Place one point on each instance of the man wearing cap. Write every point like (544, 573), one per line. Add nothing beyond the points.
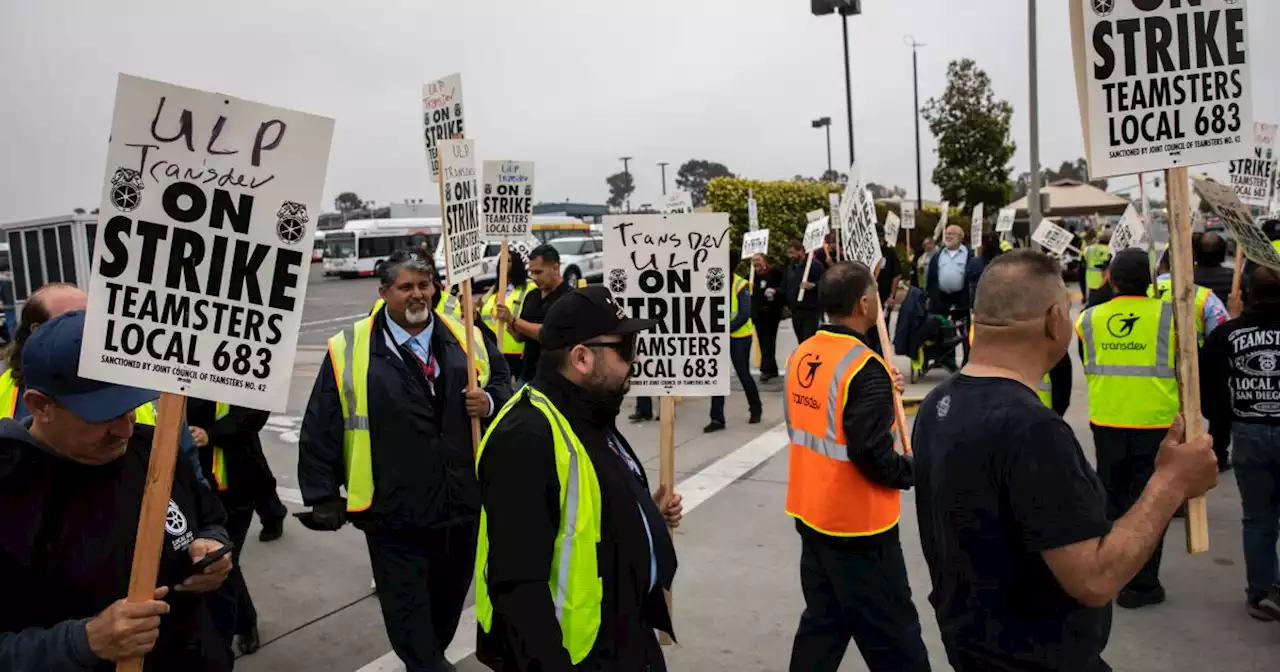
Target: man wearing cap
(72, 477)
(389, 419)
(1127, 348)
(573, 552)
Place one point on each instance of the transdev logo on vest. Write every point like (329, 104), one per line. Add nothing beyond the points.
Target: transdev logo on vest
(1120, 326)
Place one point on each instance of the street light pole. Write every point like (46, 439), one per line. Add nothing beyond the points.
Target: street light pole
(915, 78)
(848, 84)
(663, 166)
(825, 122)
(626, 170)
(1033, 200)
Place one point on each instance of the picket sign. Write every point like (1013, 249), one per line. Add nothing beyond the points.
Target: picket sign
(507, 209)
(975, 227)
(814, 234)
(1053, 237)
(1234, 214)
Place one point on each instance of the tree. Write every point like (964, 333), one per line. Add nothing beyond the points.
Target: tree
(347, 201)
(974, 142)
(78, 211)
(694, 176)
(620, 188)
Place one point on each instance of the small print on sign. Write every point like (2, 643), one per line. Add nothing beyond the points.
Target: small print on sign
(1130, 232)
(679, 202)
(1004, 221)
(1165, 83)
(814, 234)
(441, 116)
(755, 242)
(891, 225)
(1252, 177)
(675, 269)
(463, 246)
(1052, 236)
(203, 244)
(909, 215)
(1235, 216)
(508, 199)
(975, 227)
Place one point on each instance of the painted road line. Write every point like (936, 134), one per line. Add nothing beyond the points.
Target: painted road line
(344, 318)
(695, 489)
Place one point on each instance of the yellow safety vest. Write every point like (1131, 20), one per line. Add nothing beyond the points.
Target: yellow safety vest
(1045, 391)
(575, 578)
(1006, 246)
(1129, 362)
(1095, 256)
(146, 414)
(8, 393)
(349, 356)
(219, 460)
(1165, 287)
(745, 330)
(515, 300)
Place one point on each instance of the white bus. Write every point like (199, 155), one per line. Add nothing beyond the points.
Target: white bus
(359, 249)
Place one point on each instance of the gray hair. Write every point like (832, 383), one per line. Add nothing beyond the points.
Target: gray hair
(404, 260)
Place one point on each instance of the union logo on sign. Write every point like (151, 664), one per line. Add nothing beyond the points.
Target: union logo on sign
(1103, 7)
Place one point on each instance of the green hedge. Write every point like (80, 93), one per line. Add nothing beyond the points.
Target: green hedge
(782, 207)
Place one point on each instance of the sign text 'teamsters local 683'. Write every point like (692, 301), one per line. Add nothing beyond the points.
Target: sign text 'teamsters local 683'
(675, 269)
(204, 244)
(1162, 83)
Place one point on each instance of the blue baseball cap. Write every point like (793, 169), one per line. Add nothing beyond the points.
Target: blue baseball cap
(51, 364)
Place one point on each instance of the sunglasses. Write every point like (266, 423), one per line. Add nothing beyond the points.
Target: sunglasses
(626, 348)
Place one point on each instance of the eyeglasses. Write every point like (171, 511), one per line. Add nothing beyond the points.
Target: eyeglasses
(626, 348)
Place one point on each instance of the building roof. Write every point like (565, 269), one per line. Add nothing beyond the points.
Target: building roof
(1070, 198)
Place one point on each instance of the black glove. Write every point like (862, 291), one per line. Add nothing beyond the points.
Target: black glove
(325, 517)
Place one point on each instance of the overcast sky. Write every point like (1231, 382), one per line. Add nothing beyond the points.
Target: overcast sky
(571, 84)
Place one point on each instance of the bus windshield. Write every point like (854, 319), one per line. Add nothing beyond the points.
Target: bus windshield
(340, 247)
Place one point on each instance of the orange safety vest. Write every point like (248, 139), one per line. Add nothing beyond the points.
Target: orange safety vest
(825, 491)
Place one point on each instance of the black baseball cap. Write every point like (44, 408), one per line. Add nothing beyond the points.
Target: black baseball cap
(51, 364)
(1131, 266)
(584, 314)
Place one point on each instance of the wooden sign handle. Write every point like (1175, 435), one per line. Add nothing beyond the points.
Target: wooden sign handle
(1184, 320)
(155, 505)
(1238, 271)
(469, 319)
(805, 277)
(501, 299)
(886, 348)
(667, 471)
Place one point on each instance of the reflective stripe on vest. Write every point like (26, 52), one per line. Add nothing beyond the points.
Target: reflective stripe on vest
(349, 356)
(1165, 287)
(219, 460)
(574, 583)
(745, 330)
(824, 490)
(515, 301)
(1095, 255)
(8, 393)
(1045, 391)
(1129, 362)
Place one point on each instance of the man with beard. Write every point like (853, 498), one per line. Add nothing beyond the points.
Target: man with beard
(390, 419)
(572, 557)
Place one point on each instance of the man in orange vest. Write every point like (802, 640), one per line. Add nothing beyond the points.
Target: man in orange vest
(844, 488)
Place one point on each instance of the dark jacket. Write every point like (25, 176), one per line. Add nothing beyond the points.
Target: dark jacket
(423, 465)
(791, 281)
(237, 434)
(911, 316)
(1216, 278)
(66, 550)
(762, 305)
(522, 508)
(1060, 384)
(972, 272)
(1237, 368)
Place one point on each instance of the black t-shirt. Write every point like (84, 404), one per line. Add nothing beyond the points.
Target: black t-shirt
(535, 310)
(1000, 479)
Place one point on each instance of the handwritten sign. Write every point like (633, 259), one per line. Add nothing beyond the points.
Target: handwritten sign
(859, 221)
(679, 202)
(203, 244)
(1226, 205)
(753, 214)
(755, 242)
(464, 248)
(1130, 232)
(909, 215)
(1052, 236)
(891, 225)
(508, 199)
(975, 227)
(1161, 84)
(1004, 221)
(441, 116)
(1254, 176)
(674, 268)
(814, 234)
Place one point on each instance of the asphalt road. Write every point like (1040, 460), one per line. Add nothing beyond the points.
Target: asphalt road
(737, 596)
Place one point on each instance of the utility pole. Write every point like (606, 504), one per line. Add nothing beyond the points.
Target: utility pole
(825, 122)
(626, 169)
(848, 78)
(663, 165)
(1033, 199)
(915, 78)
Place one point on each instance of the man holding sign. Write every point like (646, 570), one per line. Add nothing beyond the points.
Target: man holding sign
(844, 488)
(800, 282)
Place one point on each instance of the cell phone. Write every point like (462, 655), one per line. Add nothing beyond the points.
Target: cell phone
(209, 559)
